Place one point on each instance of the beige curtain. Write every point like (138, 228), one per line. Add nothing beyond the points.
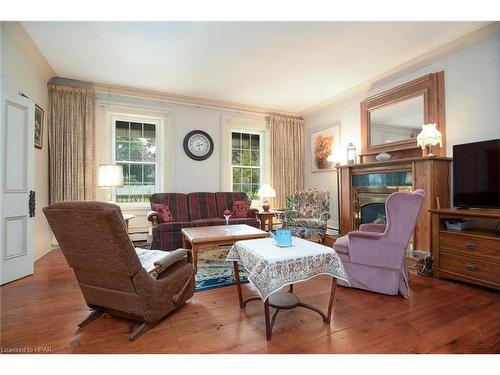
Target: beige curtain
(287, 156)
(71, 143)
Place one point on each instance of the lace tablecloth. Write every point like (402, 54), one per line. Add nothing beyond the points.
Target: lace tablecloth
(271, 267)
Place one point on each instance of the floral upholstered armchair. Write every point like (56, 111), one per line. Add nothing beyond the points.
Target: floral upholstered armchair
(307, 212)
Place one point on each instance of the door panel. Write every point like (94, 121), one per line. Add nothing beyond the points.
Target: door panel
(17, 228)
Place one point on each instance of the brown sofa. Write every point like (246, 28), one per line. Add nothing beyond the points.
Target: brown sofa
(194, 210)
(93, 238)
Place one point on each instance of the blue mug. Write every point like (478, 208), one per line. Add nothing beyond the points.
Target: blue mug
(283, 237)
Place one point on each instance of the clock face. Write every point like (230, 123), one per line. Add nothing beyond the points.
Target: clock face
(198, 145)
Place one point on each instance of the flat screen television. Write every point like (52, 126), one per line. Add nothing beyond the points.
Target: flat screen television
(476, 174)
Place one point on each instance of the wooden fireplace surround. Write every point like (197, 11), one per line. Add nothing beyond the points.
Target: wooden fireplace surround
(432, 174)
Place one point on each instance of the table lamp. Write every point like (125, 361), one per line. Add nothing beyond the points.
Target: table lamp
(266, 191)
(110, 176)
(429, 136)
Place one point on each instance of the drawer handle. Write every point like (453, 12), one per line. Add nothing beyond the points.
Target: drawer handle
(470, 267)
(470, 246)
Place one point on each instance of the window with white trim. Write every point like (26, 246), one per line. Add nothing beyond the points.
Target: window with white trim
(135, 148)
(246, 162)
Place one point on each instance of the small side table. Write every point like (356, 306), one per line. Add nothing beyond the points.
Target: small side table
(266, 217)
(329, 240)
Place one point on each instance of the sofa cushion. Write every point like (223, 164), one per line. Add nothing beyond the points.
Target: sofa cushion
(177, 203)
(225, 200)
(163, 212)
(174, 226)
(252, 221)
(342, 245)
(208, 222)
(240, 209)
(202, 206)
(232, 220)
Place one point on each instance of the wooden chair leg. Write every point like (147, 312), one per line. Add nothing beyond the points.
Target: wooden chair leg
(139, 330)
(93, 315)
(178, 296)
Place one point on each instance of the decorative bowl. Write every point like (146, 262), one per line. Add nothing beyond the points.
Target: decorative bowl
(383, 156)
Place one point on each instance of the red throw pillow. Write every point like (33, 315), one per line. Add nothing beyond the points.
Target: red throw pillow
(163, 212)
(240, 208)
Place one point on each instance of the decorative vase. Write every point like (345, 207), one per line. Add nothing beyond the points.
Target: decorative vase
(266, 206)
(322, 163)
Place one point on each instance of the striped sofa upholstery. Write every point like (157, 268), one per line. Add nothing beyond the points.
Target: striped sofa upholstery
(194, 210)
(202, 206)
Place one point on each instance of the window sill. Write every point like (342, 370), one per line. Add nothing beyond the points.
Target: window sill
(134, 206)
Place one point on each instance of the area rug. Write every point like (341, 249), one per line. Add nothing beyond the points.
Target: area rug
(214, 271)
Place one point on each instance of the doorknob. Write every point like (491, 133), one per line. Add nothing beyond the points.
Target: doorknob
(32, 203)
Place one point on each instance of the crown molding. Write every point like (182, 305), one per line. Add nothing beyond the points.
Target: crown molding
(483, 34)
(168, 97)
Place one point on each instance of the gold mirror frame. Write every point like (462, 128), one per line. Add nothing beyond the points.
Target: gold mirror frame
(431, 87)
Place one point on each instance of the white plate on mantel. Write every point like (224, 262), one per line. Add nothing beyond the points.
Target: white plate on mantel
(383, 156)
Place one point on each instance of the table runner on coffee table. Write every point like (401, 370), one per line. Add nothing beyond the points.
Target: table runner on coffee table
(271, 267)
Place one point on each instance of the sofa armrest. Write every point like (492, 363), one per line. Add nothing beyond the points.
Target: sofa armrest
(252, 213)
(374, 249)
(325, 215)
(374, 228)
(153, 217)
(170, 259)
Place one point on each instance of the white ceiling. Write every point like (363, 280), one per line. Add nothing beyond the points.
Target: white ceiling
(287, 66)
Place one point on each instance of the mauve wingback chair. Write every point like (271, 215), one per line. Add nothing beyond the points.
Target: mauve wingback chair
(94, 240)
(374, 256)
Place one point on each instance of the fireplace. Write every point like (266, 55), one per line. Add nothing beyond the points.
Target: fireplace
(373, 213)
(369, 203)
(367, 183)
(370, 191)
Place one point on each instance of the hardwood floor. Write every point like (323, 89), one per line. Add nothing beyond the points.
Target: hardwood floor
(41, 311)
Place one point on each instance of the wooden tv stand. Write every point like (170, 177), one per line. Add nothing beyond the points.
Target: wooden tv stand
(472, 254)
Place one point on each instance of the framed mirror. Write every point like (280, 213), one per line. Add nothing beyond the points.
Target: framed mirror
(391, 120)
(397, 122)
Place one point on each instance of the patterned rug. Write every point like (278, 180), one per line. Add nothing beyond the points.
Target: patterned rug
(214, 271)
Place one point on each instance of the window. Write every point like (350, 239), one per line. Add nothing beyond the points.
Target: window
(246, 162)
(135, 149)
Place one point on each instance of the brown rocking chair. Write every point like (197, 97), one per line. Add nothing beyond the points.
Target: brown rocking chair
(94, 240)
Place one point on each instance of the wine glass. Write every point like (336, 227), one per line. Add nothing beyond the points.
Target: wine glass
(227, 215)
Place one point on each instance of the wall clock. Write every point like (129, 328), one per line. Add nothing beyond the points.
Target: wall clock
(198, 145)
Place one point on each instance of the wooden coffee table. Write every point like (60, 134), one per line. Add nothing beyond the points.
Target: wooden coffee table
(200, 237)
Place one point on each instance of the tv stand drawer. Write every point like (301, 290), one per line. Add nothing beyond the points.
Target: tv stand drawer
(470, 245)
(474, 268)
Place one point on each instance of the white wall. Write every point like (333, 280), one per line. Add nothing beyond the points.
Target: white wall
(25, 70)
(472, 96)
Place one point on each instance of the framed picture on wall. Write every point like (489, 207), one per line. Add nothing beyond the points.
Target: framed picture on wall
(325, 149)
(38, 126)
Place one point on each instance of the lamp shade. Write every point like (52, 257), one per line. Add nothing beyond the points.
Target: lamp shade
(266, 191)
(429, 136)
(110, 175)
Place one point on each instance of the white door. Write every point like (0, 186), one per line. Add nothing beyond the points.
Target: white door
(17, 185)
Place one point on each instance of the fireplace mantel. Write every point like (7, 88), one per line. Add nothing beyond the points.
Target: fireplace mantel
(432, 174)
